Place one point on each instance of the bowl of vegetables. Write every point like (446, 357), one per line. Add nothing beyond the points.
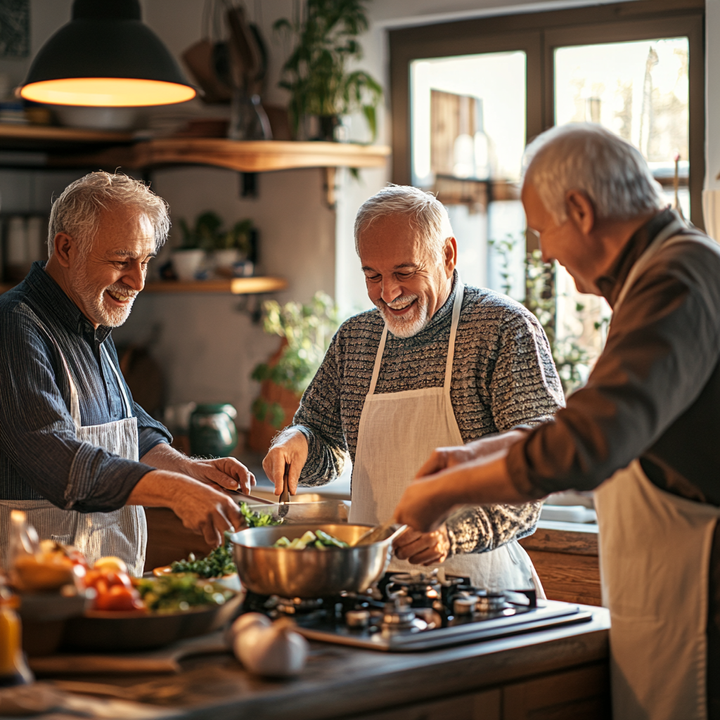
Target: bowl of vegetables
(172, 607)
(308, 560)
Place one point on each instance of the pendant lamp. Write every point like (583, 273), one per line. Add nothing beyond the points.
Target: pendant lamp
(105, 57)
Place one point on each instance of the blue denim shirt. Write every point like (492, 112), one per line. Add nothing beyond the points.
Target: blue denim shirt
(40, 455)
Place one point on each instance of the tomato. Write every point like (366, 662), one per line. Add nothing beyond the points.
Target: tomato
(119, 597)
(102, 579)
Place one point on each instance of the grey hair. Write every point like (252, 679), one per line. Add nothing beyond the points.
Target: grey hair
(587, 157)
(77, 210)
(423, 210)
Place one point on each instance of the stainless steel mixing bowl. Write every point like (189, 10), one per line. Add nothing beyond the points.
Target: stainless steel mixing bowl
(309, 573)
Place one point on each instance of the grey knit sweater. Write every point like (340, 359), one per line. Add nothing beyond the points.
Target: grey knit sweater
(503, 376)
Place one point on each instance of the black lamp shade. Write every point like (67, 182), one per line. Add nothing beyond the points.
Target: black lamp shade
(105, 57)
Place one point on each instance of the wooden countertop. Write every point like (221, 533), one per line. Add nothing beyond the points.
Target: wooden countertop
(342, 682)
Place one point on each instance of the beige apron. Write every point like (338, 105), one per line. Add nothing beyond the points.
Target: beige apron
(654, 558)
(398, 432)
(122, 532)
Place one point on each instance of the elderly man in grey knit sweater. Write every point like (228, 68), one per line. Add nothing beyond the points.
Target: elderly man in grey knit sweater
(435, 364)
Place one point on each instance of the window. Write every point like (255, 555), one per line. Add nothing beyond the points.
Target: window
(468, 95)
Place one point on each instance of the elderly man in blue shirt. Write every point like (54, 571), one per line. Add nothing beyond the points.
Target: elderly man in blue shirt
(76, 453)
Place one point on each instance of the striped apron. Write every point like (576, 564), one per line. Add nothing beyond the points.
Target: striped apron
(122, 532)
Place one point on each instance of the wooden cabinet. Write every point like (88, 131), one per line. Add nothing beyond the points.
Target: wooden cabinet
(566, 558)
(570, 695)
(474, 706)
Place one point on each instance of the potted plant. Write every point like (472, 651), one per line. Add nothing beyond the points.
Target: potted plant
(316, 72)
(233, 245)
(306, 331)
(188, 258)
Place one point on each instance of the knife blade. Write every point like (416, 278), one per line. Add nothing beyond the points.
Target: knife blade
(285, 494)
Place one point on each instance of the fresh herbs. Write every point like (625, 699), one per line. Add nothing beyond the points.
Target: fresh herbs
(219, 562)
(216, 564)
(257, 519)
(173, 593)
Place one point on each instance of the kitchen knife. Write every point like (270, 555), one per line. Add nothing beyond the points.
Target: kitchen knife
(285, 494)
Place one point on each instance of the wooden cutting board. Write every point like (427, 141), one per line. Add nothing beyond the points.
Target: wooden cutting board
(162, 660)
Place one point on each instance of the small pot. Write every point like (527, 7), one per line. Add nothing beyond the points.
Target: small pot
(226, 258)
(212, 430)
(186, 263)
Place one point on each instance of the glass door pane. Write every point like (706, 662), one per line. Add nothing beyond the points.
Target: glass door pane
(468, 129)
(640, 91)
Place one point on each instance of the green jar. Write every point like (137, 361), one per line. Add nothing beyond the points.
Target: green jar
(212, 430)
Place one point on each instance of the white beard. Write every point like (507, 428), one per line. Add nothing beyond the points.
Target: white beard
(95, 301)
(404, 327)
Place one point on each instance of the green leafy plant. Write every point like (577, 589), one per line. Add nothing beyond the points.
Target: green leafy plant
(203, 234)
(316, 74)
(306, 330)
(570, 358)
(209, 234)
(237, 237)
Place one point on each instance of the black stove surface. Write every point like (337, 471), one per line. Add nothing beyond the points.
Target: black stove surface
(409, 612)
(550, 614)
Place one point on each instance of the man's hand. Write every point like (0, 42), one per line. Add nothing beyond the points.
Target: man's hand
(200, 507)
(226, 472)
(427, 502)
(430, 548)
(290, 448)
(423, 507)
(447, 457)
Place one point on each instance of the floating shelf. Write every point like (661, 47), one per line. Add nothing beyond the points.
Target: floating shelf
(243, 156)
(55, 147)
(234, 286)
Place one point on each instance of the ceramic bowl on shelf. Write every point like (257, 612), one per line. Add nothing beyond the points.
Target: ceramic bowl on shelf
(187, 263)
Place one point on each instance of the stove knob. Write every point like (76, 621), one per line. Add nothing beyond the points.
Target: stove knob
(357, 618)
(464, 606)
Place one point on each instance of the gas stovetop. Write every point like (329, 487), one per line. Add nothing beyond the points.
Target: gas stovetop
(418, 611)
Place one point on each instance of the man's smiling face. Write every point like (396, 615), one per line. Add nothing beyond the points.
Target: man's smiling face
(404, 278)
(106, 279)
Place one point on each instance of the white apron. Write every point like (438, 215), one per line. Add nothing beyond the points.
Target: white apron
(654, 561)
(397, 433)
(122, 532)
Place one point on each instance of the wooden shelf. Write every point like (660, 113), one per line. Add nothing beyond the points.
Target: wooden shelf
(46, 140)
(59, 148)
(243, 156)
(234, 286)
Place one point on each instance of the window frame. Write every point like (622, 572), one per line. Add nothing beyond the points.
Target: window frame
(538, 34)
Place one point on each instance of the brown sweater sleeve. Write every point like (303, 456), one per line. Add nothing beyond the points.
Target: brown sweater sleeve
(662, 349)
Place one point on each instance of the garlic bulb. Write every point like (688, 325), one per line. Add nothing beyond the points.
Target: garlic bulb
(243, 623)
(274, 651)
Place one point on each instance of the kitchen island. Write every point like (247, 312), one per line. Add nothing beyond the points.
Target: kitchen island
(559, 673)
